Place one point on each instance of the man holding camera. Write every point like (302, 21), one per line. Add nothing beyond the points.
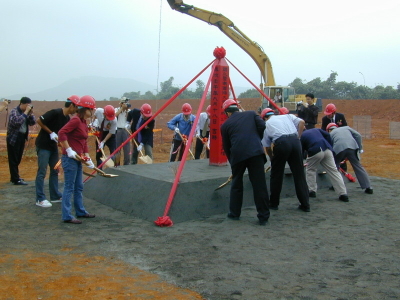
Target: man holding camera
(5, 105)
(21, 117)
(122, 134)
(308, 111)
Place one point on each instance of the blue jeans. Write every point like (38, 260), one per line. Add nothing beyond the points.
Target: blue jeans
(46, 157)
(73, 186)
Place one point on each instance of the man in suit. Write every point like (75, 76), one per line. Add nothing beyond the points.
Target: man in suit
(331, 116)
(347, 143)
(318, 145)
(308, 112)
(241, 139)
(281, 140)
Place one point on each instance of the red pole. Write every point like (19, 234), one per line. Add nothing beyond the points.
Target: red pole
(219, 93)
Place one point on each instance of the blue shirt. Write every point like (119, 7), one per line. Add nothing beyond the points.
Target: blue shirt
(315, 140)
(184, 125)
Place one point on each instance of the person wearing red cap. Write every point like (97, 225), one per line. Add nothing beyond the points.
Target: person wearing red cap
(108, 128)
(73, 138)
(145, 136)
(332, 116)
(202, 133)
(47, 151)
(182, 125)
(347, 143)
(241, 140)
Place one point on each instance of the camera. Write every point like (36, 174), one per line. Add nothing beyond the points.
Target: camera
(124, 100)
(8, 101)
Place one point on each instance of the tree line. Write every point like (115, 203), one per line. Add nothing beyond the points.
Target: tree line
(326, 89)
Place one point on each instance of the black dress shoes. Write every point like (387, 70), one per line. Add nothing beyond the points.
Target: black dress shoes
(20, 182)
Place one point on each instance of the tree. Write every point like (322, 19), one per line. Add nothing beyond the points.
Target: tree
(251, 93)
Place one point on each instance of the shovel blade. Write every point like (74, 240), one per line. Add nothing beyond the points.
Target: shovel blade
(146, 159)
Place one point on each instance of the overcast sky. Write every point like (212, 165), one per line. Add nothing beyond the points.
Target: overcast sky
(46, 42)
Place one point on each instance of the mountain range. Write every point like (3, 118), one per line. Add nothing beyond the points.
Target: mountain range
(101, 88)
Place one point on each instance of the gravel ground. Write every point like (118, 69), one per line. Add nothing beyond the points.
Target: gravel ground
(336, 251)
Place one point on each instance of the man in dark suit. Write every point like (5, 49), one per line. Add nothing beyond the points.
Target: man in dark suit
(132, 121)
(308, 112)
(331, 116)
(241, 138)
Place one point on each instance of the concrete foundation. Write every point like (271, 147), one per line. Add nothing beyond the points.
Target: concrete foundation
(143, 190)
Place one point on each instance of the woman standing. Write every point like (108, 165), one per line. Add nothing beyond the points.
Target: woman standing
(73, 138)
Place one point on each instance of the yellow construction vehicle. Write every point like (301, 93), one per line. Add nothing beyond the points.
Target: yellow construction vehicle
(285, 95)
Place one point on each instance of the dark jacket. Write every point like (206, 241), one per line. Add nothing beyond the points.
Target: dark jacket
(340, 121)
(313, 140)
(241, 136)
(308, 114)
(133, 115)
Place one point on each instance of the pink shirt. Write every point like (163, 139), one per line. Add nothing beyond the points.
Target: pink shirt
(76, 133)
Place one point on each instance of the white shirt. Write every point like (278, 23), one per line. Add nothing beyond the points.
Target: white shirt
(121, 119)
(99, 114)
(276, 126)
(200, 125)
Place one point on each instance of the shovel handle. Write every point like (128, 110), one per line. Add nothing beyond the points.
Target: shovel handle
(191, 153)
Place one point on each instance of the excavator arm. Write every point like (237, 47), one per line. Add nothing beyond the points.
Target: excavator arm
(228, 28)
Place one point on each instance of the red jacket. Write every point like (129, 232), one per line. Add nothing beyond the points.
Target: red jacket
(76, 133)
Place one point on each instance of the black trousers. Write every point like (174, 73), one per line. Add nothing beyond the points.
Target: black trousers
(309, 126)
(255, 167)
(288, 149)
(111, 143)
(175, 145)
(200, 146)
(15, 153)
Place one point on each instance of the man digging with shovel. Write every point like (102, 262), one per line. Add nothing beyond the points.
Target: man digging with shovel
(108, 128)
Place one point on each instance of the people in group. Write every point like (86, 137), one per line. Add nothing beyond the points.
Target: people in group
(241, 139)
(347, 144)
(308, 111)
(332, 116)
(4, 105)
(318, 145)
(145, 136)
(182, 125)
(122, 134)
(281, 140)
(21, 117)
(203, 133)
(108, 128)
(73, 138)
(47, 150)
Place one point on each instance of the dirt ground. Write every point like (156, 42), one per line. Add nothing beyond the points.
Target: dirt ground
(337, 251)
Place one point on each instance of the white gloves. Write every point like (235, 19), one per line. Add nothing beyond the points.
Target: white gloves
(139, 148)
(128, 126)
(71, 153)
(89, 163)
(177, 130)
(101, 146)
(54, 136)
(197, 134)
(361, 151)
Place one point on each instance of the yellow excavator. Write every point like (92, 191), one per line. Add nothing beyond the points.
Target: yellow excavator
(284, 95)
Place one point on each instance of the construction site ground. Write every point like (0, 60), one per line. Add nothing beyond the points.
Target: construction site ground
(337, 251)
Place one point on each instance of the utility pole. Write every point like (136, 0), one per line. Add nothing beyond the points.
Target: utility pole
(363, 77)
